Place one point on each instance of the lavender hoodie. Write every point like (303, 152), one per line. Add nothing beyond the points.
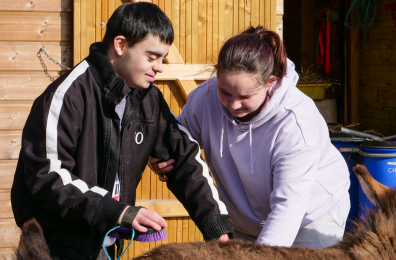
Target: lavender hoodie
(276, 173)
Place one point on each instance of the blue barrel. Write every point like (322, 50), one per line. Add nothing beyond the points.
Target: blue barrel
(379, 157)
(346, 141)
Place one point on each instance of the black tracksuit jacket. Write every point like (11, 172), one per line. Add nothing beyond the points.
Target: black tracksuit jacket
(73, 147)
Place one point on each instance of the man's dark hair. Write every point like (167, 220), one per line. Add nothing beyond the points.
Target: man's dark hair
(135, 21)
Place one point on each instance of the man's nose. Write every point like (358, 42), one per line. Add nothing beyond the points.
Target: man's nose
(158, 67)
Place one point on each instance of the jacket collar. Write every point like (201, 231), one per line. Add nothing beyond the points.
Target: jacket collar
(113, 86)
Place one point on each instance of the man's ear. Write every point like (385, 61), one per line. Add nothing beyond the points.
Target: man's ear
(120, 44)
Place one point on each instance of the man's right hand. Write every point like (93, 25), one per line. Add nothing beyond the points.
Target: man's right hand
(146, 217)
(160, 167)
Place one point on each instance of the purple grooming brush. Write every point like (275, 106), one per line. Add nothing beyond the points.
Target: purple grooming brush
(151, 235)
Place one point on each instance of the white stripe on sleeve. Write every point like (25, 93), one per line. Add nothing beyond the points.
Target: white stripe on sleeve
(205, 173)
(52, 132)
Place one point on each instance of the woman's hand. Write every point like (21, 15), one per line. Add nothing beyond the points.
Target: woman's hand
(160, 167)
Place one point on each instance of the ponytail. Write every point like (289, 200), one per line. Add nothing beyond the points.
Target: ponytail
(254, 51)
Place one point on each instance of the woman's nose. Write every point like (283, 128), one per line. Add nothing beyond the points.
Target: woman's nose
(234, 104)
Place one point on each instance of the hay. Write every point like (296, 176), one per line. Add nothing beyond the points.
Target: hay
(312, 76)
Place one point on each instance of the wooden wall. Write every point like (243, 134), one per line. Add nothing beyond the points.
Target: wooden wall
(25, 26)
(377, 75)
(66, 28)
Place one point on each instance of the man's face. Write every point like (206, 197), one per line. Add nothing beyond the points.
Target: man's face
(139, 64)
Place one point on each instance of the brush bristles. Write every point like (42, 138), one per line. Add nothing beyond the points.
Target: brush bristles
(152, 237)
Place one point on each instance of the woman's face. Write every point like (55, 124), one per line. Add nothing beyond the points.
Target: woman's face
(241, 94)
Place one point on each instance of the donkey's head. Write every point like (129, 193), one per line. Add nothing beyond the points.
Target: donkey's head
(380, 195)
(374, 235)
(32, 244)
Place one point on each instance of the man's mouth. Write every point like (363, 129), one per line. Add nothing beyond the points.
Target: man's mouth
(151, 78)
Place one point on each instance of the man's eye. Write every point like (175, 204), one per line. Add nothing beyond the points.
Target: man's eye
(152, 58)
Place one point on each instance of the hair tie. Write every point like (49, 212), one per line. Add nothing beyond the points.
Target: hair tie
(256, 33)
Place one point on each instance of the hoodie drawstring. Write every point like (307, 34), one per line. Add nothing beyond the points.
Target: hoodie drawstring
(222, 137)
(251, 149)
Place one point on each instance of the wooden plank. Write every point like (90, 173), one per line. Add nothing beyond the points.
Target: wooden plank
(9, 234)
(209, 32)
(168, 8)
(36, 26)
(105, 17)
(186, 86)
(267, 14)
(23, 85)
(7, 169)
(226, 28)
(185, 72)
(262, 12)
(195, 32)
(6, 210)
(98, 20)
(83, 28)
(273, 15)
(188, 53)
(217, 16)
(90, 17)
(241, 15)
(146, 184)
(191, 230)
(7, 253)
(23, 55)
(10, 144)
(255, 13)
(37, 5)
(182, 29)
(235, 28)
(179, 231)
(77, 32)
(13, 115)
(175, 18)
(185, 236)
(247, 14)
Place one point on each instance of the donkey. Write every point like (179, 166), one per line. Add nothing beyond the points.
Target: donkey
(373, 237)
(32, 244)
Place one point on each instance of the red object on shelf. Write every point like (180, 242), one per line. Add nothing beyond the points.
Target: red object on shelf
(328, 64)
(392, 9)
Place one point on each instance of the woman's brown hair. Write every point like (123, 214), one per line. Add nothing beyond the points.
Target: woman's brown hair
(255, 51)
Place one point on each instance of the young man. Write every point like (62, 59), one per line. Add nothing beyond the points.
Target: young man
(88, 138)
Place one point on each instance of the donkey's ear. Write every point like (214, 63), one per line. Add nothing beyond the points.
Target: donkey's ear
(372, 188)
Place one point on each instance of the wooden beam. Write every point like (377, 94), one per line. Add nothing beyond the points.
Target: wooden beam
(185, 72)
(186, 86)
(174, 56)
(165, 208)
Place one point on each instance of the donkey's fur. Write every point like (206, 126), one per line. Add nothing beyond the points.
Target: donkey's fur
(32, 245)
(374, 237)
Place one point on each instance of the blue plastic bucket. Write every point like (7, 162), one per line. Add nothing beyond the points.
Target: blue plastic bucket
(349, 142)
(379, 157)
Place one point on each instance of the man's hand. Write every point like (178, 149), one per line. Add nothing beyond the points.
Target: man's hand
(160, 167)
(224, 238)
(146, 217)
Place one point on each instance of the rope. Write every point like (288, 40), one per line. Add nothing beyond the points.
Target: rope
(362, 8)
(104, 248)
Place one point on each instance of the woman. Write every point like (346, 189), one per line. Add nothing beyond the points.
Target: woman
(268, 147)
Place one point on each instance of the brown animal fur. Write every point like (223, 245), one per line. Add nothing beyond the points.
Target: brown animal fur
(374, 237)
(32, 245)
